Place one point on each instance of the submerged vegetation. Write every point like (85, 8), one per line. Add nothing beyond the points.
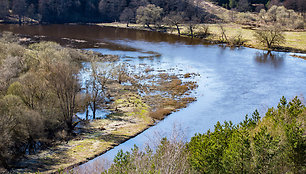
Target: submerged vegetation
(274, 143)
(43, 88)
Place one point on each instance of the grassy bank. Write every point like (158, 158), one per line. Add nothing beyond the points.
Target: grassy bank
(295, 41)
(96, 138)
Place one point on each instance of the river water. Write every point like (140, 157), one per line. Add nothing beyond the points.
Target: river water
(233, 82)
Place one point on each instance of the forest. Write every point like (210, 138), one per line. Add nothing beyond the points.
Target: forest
(82, 11)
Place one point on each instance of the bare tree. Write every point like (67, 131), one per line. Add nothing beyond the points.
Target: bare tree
(270, 37)
(62, 79)
(223, 36)
(192, 24)
(96, 86)
(175, 19)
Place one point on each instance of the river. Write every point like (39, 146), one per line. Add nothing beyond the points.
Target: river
(233, 82)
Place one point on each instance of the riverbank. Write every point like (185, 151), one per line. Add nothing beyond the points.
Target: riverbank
(96, 137)
(135, 106)
(295, 41)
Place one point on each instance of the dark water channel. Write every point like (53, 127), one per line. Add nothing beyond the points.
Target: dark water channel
(233, 82)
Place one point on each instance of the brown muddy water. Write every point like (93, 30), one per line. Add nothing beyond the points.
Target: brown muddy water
(233, 82)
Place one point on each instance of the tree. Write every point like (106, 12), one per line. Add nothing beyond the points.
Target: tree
(62, 80)
(4, 7)
(149, 15)
(175, 19)
(270, 37)
(127, 15)
(206, 150)
(192, 24)
(237, 157)
(266, 149)
(96, 85)
(19, 7)
(20, 128)
(31, 89)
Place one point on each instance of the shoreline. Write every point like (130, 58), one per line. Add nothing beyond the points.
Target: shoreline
(131, 115)
(209, 39)
(106, 150)
(148, 125)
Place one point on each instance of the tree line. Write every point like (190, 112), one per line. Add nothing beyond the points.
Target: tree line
(257, 5)
(38, 96)
(63, 11)
(273, 144)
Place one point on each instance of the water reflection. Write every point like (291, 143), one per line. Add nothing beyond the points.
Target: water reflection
(95, 33)
(269, 58)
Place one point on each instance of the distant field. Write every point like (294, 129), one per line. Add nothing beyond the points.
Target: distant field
(295, 41)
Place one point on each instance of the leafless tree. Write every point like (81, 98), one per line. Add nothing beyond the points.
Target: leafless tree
(62, 79)
(270, 37)
(192, 24)
(96, 85)
(175, 19)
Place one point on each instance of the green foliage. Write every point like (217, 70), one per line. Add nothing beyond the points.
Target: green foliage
(255, 145)
(273, 144)
(207, 149)
(238, 152)
(266, 148)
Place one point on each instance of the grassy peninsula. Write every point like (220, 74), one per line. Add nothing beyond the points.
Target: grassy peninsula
(42, 92)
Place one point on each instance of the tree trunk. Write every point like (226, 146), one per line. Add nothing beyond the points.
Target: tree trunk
(178, 29)
(148, 25)
(19, 19)
(69, 124)
(87, 113)
(94, 108)
(191, 31)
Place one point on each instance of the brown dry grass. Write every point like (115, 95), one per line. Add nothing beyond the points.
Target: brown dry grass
(160, 114)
